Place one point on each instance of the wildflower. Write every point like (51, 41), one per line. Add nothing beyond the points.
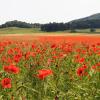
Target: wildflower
(1, 49)
(27, 55)
(53, 46)
(38, 51)
(54, 57)
(81, 60)
(9, 60)
(3, 58)
(6, 83)
(33, 46)
(17, 57)
(11, 69)
(10, 52)
(62, 55)
(80, 71)
(98, 43)
(84, 66)
(77, 56)
(44, 73)
(94, 67)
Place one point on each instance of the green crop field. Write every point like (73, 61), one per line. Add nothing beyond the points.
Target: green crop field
(15, 30)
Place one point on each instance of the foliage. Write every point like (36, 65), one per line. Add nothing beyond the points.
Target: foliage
(84, 24)
(54, 27)
(92, 30)
(20, 24)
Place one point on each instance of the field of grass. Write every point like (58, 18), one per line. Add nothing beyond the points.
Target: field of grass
(87, 30)
(15, 30)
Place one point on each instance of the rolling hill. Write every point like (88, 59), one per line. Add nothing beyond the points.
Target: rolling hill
(92, 21)
(91, 17)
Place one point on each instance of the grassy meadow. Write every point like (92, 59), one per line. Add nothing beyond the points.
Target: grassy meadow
(15, 30)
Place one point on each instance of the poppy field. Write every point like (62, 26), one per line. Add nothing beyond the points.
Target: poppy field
(50, 68)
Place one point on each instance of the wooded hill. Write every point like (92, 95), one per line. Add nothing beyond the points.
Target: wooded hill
(91, 22)
(20, 24)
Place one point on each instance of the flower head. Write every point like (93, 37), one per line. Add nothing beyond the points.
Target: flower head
(6, 83)
(11, 69)
(44, 73)
(80, 71)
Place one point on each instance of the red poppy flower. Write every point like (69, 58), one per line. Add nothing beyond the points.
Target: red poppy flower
(81, 60)
(10, 52)
(44, 73)
(33, 46)
(55, 57)
(1, 49)
(3, 59)
(9, 60)
(6, 83)
(62, 55)
(53, 46)
(80, 71)
(11, 69)
(84, 66)
(38, 51)
(17, 57)
(27, 55)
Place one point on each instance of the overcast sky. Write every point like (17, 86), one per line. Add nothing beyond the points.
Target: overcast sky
(44, 11)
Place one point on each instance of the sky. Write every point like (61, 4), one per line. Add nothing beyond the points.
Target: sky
(45, 11)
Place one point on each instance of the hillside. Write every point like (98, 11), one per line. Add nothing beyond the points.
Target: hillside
(92, 21)
(20, 24)
(89, 22)
(91, 17)
(94, 17)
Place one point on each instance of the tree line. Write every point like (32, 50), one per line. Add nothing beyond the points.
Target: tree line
(54, 27)
(73, 25)
(50, 27)
(20, 24)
